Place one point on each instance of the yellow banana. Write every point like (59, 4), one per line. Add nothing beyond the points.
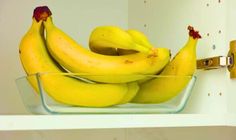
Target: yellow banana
(138, 38)
(133, 89)
(114, 37)
(65, 89)
(78, 59)
(174, 78)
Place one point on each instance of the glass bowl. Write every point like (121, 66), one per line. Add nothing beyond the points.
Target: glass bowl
(37, 100)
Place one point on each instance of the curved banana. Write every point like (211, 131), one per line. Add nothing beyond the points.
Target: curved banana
(114, 37)
(174, 78)
(137, 36)
(133, 89)
(78, 59)
(65, 89)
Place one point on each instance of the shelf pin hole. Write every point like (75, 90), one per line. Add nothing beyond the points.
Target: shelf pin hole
(214, 47)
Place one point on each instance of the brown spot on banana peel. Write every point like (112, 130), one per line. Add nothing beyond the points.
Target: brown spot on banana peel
(153, 54)
(128, 62)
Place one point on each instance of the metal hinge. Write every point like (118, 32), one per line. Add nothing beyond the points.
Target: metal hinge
(216, 62)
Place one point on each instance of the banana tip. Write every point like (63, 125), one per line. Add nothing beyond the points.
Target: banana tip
(41, 13)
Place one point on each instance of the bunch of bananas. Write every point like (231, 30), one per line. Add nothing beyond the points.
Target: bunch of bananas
(117, 64)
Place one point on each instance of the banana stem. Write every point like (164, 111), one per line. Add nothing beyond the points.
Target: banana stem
(41, 13)
(193, 33)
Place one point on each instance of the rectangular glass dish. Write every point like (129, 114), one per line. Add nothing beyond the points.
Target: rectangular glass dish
(38, 101)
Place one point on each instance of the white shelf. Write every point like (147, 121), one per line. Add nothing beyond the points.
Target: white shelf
(53, 122)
